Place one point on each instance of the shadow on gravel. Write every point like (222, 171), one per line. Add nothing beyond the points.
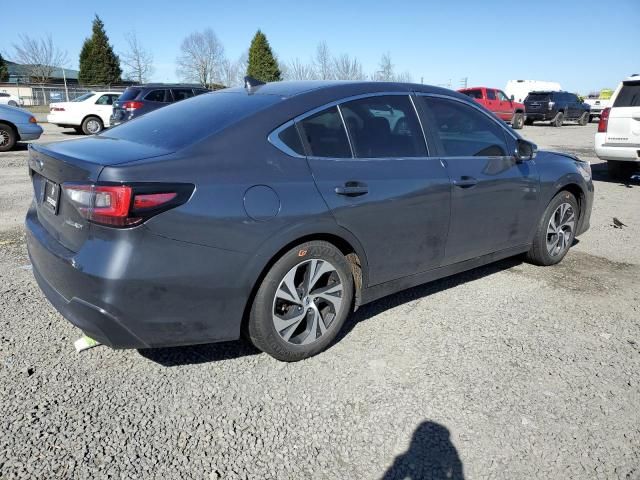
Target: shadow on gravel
(600, 174)
(431, 456)
(193, 355)
(19, 147)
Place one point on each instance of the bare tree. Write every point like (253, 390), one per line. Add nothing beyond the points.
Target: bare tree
(300, 71)
(138, 62)
(201, 58)
(39, 56)
(347, 68)
(385, 72)
(404, 77)
(323, 62)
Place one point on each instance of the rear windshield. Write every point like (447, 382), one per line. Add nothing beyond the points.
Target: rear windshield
(629, 95)
(129, 94)
(537, 97)
(83, 97)
(184, 123)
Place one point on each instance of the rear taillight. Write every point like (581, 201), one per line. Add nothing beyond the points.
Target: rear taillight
(33, 120)
(125, 205)
(603, 124)
(131, 106)
(551, 104)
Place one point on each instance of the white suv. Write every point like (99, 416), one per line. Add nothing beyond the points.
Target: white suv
(618, 137)
(88, 114)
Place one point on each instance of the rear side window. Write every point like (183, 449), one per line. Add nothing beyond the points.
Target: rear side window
(158, 96)
(289, 136)
(193, 119)
(384, 126)
(473, 93)
(4, 95)
(130, 94)
(181, 93)
(491, 94)
(105, 100)
(325, 134)
(629, 95)
(464, 131)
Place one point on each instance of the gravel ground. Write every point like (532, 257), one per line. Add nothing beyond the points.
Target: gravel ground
(507, 371)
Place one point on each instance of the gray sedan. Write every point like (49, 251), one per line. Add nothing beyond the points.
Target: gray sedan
(17, 125)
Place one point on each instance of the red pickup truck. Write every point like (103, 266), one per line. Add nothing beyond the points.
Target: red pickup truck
(497, 101)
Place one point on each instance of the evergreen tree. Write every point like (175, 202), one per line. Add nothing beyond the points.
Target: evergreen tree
(262, 64)
(4, 71)
(99, 65)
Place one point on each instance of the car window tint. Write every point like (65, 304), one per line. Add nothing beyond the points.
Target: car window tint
(4, 94)
(473, 93)
(325, 134)
(104, 100)
(204, 115)
(491, 94)
(198, 91)
(384, 126)
(629, 95)
(463, 130)
(130, 94)
(289, 136)
(537, 97)
(156, 96)
(181, 93)
(502, 97)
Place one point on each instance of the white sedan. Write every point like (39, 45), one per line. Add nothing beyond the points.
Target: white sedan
(11, 100)
(88, 114)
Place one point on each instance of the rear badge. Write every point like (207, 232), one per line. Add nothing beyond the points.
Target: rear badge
(73, 224)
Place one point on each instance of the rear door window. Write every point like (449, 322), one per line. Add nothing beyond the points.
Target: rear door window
(104, 100)
(158, 96)
(491, 94)
(181, 93)
(473, 93)
(629, 95)
(464, 131)
(325, 134)
(384, 126)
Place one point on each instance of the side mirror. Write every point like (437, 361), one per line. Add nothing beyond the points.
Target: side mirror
(525, 151)
(512, 98)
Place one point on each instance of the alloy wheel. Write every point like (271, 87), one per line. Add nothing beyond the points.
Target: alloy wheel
(93, 127)
(307, 302)
(5, 138)
(560, 229)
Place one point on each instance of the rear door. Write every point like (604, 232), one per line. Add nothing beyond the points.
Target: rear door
(494, 200)
(624, 117)
(492, 101)
(380, 183)
(181, 93)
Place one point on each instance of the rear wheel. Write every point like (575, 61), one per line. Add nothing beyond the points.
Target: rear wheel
(621, 170)
(8, 137)
(518, 121)
(12, 103)
(584, 119)
(556, 230)
(591, 117)
(302, 302)
(559, 120)
(92, 125)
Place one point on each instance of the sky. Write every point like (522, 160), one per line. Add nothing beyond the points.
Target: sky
(585, 45)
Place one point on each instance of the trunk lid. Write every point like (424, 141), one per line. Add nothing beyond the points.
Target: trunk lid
(537, 102)
(624, 116)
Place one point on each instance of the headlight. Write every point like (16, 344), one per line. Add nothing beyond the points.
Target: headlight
(585, 170)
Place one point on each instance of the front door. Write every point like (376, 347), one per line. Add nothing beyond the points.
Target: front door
(505, 106)
(380, 183)
(494, 199)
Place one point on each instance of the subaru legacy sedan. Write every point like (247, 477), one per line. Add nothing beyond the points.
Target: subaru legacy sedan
(278, 209)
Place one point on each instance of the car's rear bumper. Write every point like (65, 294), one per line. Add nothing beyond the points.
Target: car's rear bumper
(612, 151)
(540, 116)
(139, 290)
(29, 131)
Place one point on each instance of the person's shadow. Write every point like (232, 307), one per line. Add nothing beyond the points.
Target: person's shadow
(431, 456)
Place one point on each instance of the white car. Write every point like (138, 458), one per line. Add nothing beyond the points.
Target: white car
(88, 114)
(618, 137)
(9, 99)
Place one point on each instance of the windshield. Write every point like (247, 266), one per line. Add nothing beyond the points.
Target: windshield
(82, 98)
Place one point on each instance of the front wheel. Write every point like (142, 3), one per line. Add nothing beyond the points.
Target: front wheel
(518, 121)
(556, 230)
(559, 120)
(92, 126)
(302, 302)
(584, 119)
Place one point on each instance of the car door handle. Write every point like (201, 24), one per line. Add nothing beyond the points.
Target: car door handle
(465, 182)
(352, 189)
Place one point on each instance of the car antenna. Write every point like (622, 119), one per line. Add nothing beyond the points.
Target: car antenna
(250, 82)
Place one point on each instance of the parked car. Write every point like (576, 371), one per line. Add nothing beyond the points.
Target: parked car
(618, 137)
(17, 125)
(279, 209)
(10, 99)
(556, 107)
(141, 99)
(519, 89)
(88, 114)
(596, 105)
(497, 102)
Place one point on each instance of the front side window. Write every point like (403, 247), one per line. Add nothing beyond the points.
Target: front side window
(156, 96)
(502, 97)
(325, 134)
(464, 131)
(384, 126)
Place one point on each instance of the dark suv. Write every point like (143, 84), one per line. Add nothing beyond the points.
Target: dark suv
(555, 107)
(138, 100)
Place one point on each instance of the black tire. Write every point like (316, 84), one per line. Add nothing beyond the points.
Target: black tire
(261, 327)
(518, 121)
(92, 125)
(584, 119)
(558, 120)
(621, 170)
(528, 121)
(8, 137)
(539, 253)
(12, 103)
(591, 117)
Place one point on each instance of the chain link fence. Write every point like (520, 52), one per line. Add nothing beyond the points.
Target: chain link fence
(33, 94)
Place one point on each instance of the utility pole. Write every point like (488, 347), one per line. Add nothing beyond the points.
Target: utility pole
(66, 90)
(464, 81)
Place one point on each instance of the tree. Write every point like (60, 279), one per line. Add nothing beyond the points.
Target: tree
(137, 60)
(296, 70)
(39, 56)
(262, 63)
(385, 72)
(347, 68)
(201, 58)
(4, 71)
(323, 62)
(99, 65)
